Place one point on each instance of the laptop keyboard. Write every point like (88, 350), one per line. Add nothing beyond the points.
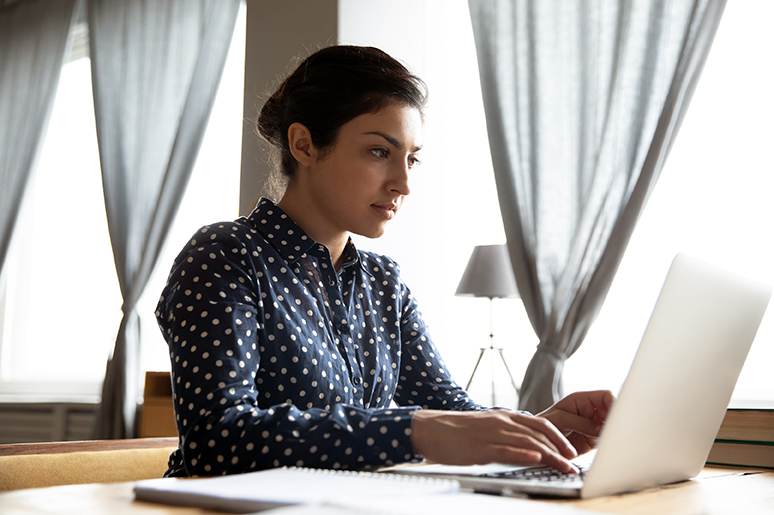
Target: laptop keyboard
(537, 474)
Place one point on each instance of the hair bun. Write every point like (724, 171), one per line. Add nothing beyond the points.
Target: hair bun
(270, 121)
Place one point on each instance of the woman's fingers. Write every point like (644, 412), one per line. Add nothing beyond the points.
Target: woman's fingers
(526, 450)
(467, 438)
(591, 405)
(572, 423)
(546, 432)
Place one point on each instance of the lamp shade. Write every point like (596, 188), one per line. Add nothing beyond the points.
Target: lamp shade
(488, 274)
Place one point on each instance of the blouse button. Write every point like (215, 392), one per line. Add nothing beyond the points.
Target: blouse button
(357, 380)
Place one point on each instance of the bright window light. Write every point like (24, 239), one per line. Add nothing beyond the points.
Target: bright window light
(713, 201)
(61, 307)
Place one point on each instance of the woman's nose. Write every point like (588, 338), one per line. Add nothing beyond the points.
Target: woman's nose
(400, 181)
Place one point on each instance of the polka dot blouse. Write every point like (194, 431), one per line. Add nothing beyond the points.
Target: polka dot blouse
(279, 359)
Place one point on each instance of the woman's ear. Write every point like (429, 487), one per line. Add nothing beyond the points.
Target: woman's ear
(300, 143)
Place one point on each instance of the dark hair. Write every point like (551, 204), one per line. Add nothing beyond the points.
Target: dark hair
(330, 88)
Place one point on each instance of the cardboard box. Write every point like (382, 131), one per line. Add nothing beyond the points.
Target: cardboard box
(157, 415)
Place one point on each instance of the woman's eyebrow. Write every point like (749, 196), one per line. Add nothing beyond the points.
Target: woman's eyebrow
(392, 141)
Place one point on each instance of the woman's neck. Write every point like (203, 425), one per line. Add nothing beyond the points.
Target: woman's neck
(298, 209)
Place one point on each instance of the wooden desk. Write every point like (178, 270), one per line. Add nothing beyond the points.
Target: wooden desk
(717, 491)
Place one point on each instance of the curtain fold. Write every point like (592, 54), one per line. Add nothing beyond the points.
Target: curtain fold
(583, 101)
(156, 67)
(33, 45)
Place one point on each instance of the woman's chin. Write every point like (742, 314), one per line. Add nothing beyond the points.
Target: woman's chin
(372, 232)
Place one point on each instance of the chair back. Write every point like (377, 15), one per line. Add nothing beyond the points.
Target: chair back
(69, 463)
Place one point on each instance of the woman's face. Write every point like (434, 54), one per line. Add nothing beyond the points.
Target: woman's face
(360, 183)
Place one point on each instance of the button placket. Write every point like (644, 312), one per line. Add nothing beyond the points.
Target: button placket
(338, 313)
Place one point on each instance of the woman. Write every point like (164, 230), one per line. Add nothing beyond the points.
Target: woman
(288, 344)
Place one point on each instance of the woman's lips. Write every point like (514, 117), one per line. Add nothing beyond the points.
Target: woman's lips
(386, 211)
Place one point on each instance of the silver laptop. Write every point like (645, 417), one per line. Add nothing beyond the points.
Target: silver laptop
(669, 410)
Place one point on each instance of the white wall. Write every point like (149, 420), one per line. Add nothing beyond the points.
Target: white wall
(277, 32)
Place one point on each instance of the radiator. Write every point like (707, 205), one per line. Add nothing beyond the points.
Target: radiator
(46, 422)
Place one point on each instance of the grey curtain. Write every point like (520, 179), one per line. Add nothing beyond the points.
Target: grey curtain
(33, 45)
(583, 101)
(156, 67)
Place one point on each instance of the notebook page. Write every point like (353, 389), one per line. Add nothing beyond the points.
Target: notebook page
(287, 486)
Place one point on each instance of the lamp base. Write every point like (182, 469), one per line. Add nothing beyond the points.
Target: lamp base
(495, 351)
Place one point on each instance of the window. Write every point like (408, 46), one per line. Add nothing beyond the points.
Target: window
(713, 201)
(61, 258)
(60, 310)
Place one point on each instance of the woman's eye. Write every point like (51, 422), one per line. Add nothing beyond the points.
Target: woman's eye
(414, 161)
(381, 153)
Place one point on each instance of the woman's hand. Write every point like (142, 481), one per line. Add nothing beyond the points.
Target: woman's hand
(558, 434)
(478, 437)
(580, 417)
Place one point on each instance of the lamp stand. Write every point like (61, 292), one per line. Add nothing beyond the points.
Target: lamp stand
(494, 350)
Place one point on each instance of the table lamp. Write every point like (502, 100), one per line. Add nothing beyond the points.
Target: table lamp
(489, 274)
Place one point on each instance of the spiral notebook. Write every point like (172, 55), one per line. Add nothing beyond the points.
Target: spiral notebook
(254, 491)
